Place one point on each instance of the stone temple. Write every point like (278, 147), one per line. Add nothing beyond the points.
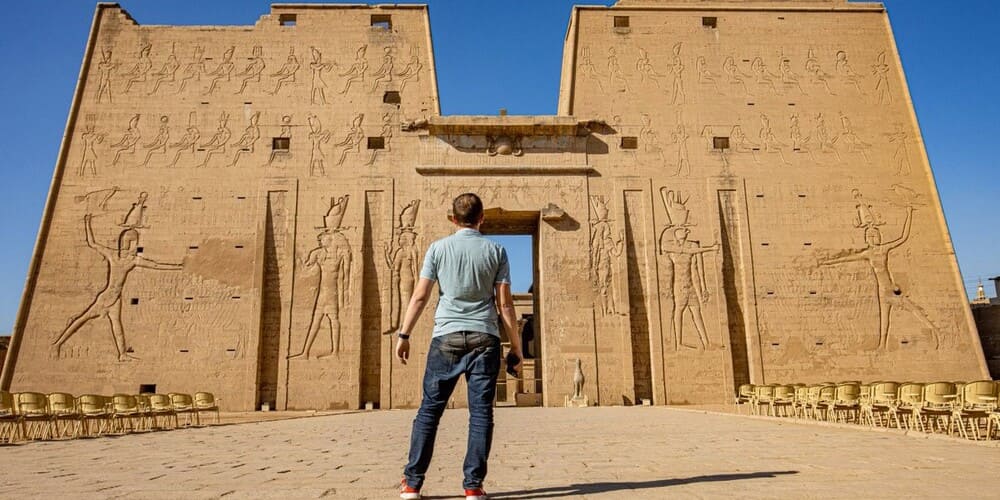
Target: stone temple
(731, 192)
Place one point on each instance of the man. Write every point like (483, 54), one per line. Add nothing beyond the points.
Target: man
(473, 278)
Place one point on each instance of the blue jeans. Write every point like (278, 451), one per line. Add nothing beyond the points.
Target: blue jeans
(477, 356)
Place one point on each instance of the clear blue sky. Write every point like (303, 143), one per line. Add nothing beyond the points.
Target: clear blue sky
(949, 50)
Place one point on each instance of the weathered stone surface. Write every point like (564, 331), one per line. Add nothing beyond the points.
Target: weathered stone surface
(732, 192)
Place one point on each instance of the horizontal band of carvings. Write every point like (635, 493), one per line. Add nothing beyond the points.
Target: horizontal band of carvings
(480, 170)
(523, 126)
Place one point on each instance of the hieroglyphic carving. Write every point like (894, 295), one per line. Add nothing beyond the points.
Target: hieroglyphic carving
(846, 73)
(901, 153)
(216, 145)
(356, 73)
(410, 72)
(194, 69)
(332, 259)
(126, 145)
(351, 143)
(799, 141)
(121, 261)
(888, 294)
(317, 92)
(253, 71)
(588, 69)
(679, 139)
(284, 133)
(105, 69)
(768, 140)
(386, 133)
(650, 140)
(645, 68)
(248, 140)
(603, 252)
(618, 82)
(816, 74)
(734, 74)
(287, 72)
(317, 138)
(189, 141)
(788, 76)
(850, 138)
(688, 288)
(402, 258)
(159, 142)
(762, 75)
(821, 137)
(140, 70)
(167, 73)
(677, 95)
(881, 71)
(705, 75)
(384, 73)
(90, 137)
(222, 72)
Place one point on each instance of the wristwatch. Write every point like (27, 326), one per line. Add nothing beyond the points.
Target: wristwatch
(403, 336)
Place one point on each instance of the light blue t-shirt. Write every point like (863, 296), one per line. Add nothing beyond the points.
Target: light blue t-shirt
(466, 266)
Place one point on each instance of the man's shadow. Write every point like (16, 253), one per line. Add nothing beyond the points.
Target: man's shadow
(592, 488)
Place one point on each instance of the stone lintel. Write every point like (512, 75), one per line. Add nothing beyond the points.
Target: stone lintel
(508, 125)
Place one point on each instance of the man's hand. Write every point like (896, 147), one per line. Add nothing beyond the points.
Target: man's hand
(520, 359)
(403, 350)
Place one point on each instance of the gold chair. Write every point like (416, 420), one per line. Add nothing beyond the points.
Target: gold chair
(823, 403)
(33, 407)
(976, 402)
(184, 404)
(11, 424)
(762, 397)
(846, 404)
(744, 396)
(162, 410)
(782, 399)
(62, 409)
(801, 405)
(125, 411)
(94, 407)
(911, 398)
(940, 401)
(206, 401)
(882, 399)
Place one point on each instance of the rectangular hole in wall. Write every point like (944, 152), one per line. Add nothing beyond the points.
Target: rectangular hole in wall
(230, 350)
(241, 197)
(746, 60)
(138, 249)
(759, 195)
(630, 142)
(720, 142)
(904, 342)
(236, 297)
(134, 301)
(796, 149)
(812, 292)
(204, 102)
(755, 149)
(196, 197)
(751, 104)
(710, 22)
(764, 244)
(808, 244)
(376, 143)
(238, 246)
(775, 344)
(183, 350)
(188, 298)
(392, 97)
(621, 22)
(287, 20)
(192, 248)
(248, 103)
(382, 21)
(791, 104)
(819, 342)
(781, 18)
(147, 388)
(770, 292)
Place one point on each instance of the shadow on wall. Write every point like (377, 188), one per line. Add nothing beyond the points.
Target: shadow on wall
(593, 488)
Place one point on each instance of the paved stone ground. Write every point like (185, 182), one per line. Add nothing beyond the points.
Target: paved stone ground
(639, 452)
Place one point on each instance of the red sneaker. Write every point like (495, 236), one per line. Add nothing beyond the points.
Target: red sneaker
(475, 494)
(408, 493)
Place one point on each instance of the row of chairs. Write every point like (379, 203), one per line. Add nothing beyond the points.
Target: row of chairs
(59, 415)
(971, 408)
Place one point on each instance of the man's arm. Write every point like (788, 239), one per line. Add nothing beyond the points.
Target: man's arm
(505, 303)
(421, 294)
(159, 266)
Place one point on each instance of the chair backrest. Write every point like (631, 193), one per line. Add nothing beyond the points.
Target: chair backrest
(204, 399)
(160, 402)
(801, 393)
(91, 404)
(980, 394)
(7, 406)
(61, 403)
(848, 393)
(814, 391)
(940, 393)
(181, 401)
(32, 403)
(125, 403)
(745, 391)
(885, 392)
(866, 392)
(827, 393)
(143, 401)
(764, 392)
(784, 392)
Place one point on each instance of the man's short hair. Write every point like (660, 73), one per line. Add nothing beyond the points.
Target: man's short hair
(467, 209)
